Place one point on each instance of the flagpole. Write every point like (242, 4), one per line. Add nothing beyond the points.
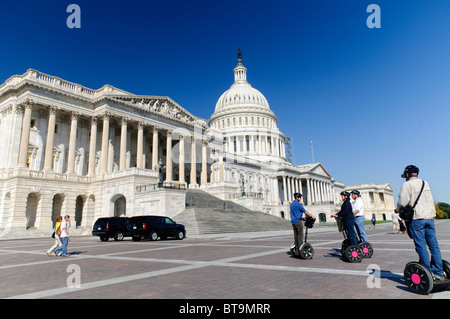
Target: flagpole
(312, 150)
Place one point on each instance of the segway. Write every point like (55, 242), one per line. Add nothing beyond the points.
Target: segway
(421, 281)
(305, 251)
(352, 253)
(366, 247)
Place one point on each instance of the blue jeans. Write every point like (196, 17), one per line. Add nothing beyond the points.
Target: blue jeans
(423, 234)
(350, 225)
(359, 223)
(63, 247)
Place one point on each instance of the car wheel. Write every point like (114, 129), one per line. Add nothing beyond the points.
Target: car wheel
(153, 236)
(180, 235)
(104, 238)
(118, 236)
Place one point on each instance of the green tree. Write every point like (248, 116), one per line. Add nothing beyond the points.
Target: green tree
(442, 210)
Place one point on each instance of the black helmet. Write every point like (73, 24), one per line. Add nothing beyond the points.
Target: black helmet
(356, 192)
(297, 195)
(410, 169)
(345, 193)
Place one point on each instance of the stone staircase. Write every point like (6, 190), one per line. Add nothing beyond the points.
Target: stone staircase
(207, 214)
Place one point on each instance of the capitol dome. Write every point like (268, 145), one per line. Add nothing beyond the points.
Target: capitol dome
(240, 94)
(248, 125)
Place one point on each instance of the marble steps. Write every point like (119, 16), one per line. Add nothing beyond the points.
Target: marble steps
(207, 214)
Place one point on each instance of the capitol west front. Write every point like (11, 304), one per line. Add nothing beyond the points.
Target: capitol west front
(68, 149)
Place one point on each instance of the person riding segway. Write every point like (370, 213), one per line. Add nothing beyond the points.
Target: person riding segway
(416, 207)
(346, 225)
(358, 212)
(298, 213)
(305, 251)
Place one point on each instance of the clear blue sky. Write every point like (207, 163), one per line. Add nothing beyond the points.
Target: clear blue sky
(372, 100)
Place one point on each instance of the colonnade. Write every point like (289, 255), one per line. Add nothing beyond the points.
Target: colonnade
(259, 144)
(317, 191)
(106, 118)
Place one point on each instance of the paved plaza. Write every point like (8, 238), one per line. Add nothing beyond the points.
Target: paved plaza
(221, 266)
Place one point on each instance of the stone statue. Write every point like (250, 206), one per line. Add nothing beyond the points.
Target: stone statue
(160, 169)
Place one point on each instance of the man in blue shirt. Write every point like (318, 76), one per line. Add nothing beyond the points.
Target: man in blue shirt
(297, 217)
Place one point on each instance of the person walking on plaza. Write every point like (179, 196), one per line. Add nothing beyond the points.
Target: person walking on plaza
(297, 217)
(346, 213)
(421, 227)
(395, 223)
(65, 224)
(358, 212)
(57, 234)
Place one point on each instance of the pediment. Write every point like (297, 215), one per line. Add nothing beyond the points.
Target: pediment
(320, 170)
(159, 105)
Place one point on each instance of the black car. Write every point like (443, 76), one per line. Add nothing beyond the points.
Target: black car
(154, 227)
(111, 227)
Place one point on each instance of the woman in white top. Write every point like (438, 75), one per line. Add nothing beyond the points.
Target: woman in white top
(65, 224)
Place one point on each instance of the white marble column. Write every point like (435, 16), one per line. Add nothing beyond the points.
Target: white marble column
(155, 148)
(105, 141)
(308, 190)
(48, 159)
(169, 157)
(193, 183)
(123, 144)
(204, 174)
(181, 160)
(72, 142)
(92, 146)
(140, 146)
(25, 137)
(221, 168)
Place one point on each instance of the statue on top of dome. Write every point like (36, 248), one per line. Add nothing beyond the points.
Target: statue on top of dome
(239, 54)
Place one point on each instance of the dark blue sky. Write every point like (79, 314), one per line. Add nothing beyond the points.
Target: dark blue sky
(372, 100)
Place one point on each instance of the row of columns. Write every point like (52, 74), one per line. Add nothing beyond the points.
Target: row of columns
(48, 157)
(258, 144)
(317, 191)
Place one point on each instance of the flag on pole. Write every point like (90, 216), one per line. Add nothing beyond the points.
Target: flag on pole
(312, 150)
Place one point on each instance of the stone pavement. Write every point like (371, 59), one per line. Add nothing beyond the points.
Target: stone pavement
(218, 266)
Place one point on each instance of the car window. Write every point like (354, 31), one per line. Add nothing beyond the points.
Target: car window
(101, 222)
(168, 221)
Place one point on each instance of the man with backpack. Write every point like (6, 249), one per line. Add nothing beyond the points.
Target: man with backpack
(416, 194)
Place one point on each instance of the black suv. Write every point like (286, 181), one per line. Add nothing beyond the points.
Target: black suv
(154, 227)
(111, 227)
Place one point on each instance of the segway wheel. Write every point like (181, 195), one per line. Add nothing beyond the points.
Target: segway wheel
(344, 245)
(306, 251)
(353, 254)
(367, 249)
(418, 278)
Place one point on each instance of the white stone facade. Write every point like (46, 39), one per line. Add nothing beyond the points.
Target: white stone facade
(378, 200)
(68, 149)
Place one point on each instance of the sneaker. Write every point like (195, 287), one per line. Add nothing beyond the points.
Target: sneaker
(439, 277)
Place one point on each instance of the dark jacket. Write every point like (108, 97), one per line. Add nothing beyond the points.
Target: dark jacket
(346, 212)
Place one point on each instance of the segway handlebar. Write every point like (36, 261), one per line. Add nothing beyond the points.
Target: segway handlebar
(340, 224)
(309, 222)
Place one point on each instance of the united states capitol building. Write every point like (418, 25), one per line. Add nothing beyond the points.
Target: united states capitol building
(69, 149)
